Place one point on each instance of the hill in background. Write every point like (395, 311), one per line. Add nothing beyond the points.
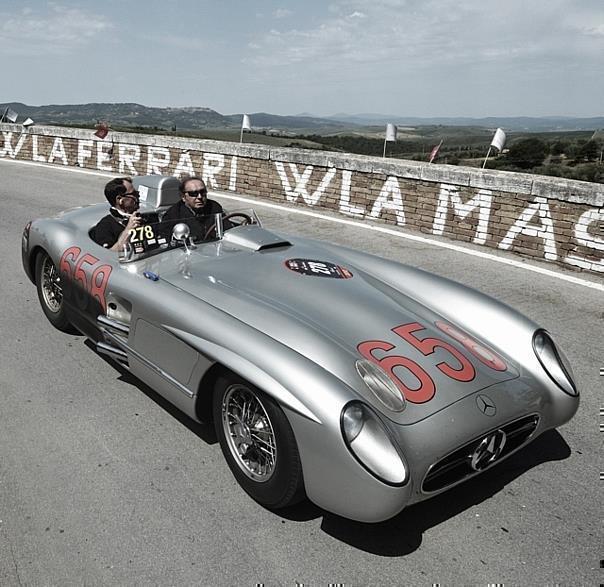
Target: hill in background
(515, 123)
(129, 115)
(198, 118)
(559, 146)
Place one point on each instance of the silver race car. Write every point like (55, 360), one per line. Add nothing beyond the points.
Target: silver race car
(330, 373)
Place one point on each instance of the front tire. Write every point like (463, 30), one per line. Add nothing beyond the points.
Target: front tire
(50, 292)
(257, 442)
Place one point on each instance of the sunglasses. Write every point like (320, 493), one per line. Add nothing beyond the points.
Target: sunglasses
(197, 193)
(133, 194)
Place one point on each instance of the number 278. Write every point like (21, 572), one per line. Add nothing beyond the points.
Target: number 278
(141, 233)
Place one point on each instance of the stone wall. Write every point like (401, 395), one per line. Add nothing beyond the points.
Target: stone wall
(551, 219)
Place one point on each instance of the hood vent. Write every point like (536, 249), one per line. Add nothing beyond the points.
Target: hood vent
(255, 238)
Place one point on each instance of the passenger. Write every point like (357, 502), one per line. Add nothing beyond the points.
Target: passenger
(194, 208)
(113, 230)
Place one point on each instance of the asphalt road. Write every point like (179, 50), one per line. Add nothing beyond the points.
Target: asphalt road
(103, 483)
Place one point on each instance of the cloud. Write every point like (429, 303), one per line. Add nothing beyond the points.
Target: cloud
(282, 13)
(595, 31)
(59, 30)
(178, 42)
(421, 33)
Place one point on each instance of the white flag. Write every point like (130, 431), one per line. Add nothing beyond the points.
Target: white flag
(390, 133)
(11, 115)
(498, 140)
(27, 122)
(245, 125)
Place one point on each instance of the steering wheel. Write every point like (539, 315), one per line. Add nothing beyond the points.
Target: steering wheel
(246, 219)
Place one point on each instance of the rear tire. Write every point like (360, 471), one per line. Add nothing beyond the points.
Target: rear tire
(257, 442)
(50, 293)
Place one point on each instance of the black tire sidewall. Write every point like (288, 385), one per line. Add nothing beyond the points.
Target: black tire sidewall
(57, 319)
(285, 487)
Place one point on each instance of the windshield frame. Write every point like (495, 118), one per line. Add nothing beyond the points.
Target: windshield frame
(188, 242)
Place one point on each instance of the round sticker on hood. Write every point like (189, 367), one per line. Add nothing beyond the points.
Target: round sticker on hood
(318, 268)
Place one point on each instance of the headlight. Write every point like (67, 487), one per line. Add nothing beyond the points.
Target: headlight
(370, 443)
(554, 362)
(381, 385)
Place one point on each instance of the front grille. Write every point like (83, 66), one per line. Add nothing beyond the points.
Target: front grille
(456, 466)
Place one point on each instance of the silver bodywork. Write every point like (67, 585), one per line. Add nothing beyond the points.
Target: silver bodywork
(235, 303)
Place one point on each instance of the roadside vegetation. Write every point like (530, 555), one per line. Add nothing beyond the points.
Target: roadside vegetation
(567, 154)
(572, 155)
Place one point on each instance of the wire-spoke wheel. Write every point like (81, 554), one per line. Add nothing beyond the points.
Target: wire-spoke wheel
(257, 442)
(50, 292)
(248, 432)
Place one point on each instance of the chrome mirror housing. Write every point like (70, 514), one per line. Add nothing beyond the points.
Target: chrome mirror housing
(181, 233)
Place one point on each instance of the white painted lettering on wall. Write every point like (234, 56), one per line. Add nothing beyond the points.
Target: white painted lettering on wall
(35, 155)
(450, 194)
(345, 206)
(58, 152)
(8, 145)
(84, 152)
(292, 195)
(233, 174)
(544, 230)
(104, 153)
(585, 239)
(184, 165)
(220, 172)
(128, 155)
(301, 181)
(158, 159)
(389, 199)
(213, 164)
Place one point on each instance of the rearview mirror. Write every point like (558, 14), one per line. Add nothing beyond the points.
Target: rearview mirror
(181, 233)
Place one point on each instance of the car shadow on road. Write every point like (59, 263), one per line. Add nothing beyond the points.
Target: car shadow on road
(204, 431)
(402, 534)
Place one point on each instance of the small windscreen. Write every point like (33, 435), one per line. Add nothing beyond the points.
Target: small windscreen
(153, 236)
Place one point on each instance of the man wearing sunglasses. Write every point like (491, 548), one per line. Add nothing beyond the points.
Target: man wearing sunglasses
(194, 208)
(113, 230)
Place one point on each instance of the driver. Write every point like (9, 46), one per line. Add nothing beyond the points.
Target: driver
(194, 208)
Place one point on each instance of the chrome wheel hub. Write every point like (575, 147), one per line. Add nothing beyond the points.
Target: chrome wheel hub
(249, 433)
(51, 286)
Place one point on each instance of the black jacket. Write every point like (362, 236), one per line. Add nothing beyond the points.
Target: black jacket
(199, 221)
(109, 228)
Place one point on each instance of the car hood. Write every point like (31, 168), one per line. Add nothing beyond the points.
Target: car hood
(327, 313)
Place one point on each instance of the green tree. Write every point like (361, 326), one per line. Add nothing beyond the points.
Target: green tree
(526, 153)
(559, 147)
(589, 151)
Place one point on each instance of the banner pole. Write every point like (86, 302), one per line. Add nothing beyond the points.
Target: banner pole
(241, 135)
(485, 159)
(4, 114)
(384, 155)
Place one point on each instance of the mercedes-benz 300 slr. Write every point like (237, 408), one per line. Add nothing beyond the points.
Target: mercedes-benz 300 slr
(361, 383)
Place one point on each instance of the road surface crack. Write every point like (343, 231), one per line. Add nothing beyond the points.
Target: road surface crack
(12, 552)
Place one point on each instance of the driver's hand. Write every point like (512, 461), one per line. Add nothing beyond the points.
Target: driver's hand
(134, 221)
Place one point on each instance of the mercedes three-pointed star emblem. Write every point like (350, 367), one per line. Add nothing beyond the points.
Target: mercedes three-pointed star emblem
(486, 405)
(488, 450)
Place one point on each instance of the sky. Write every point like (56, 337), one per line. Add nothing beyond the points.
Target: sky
(423, 58)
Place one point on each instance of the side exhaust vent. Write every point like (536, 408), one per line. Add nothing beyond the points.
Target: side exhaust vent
(115, 339)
